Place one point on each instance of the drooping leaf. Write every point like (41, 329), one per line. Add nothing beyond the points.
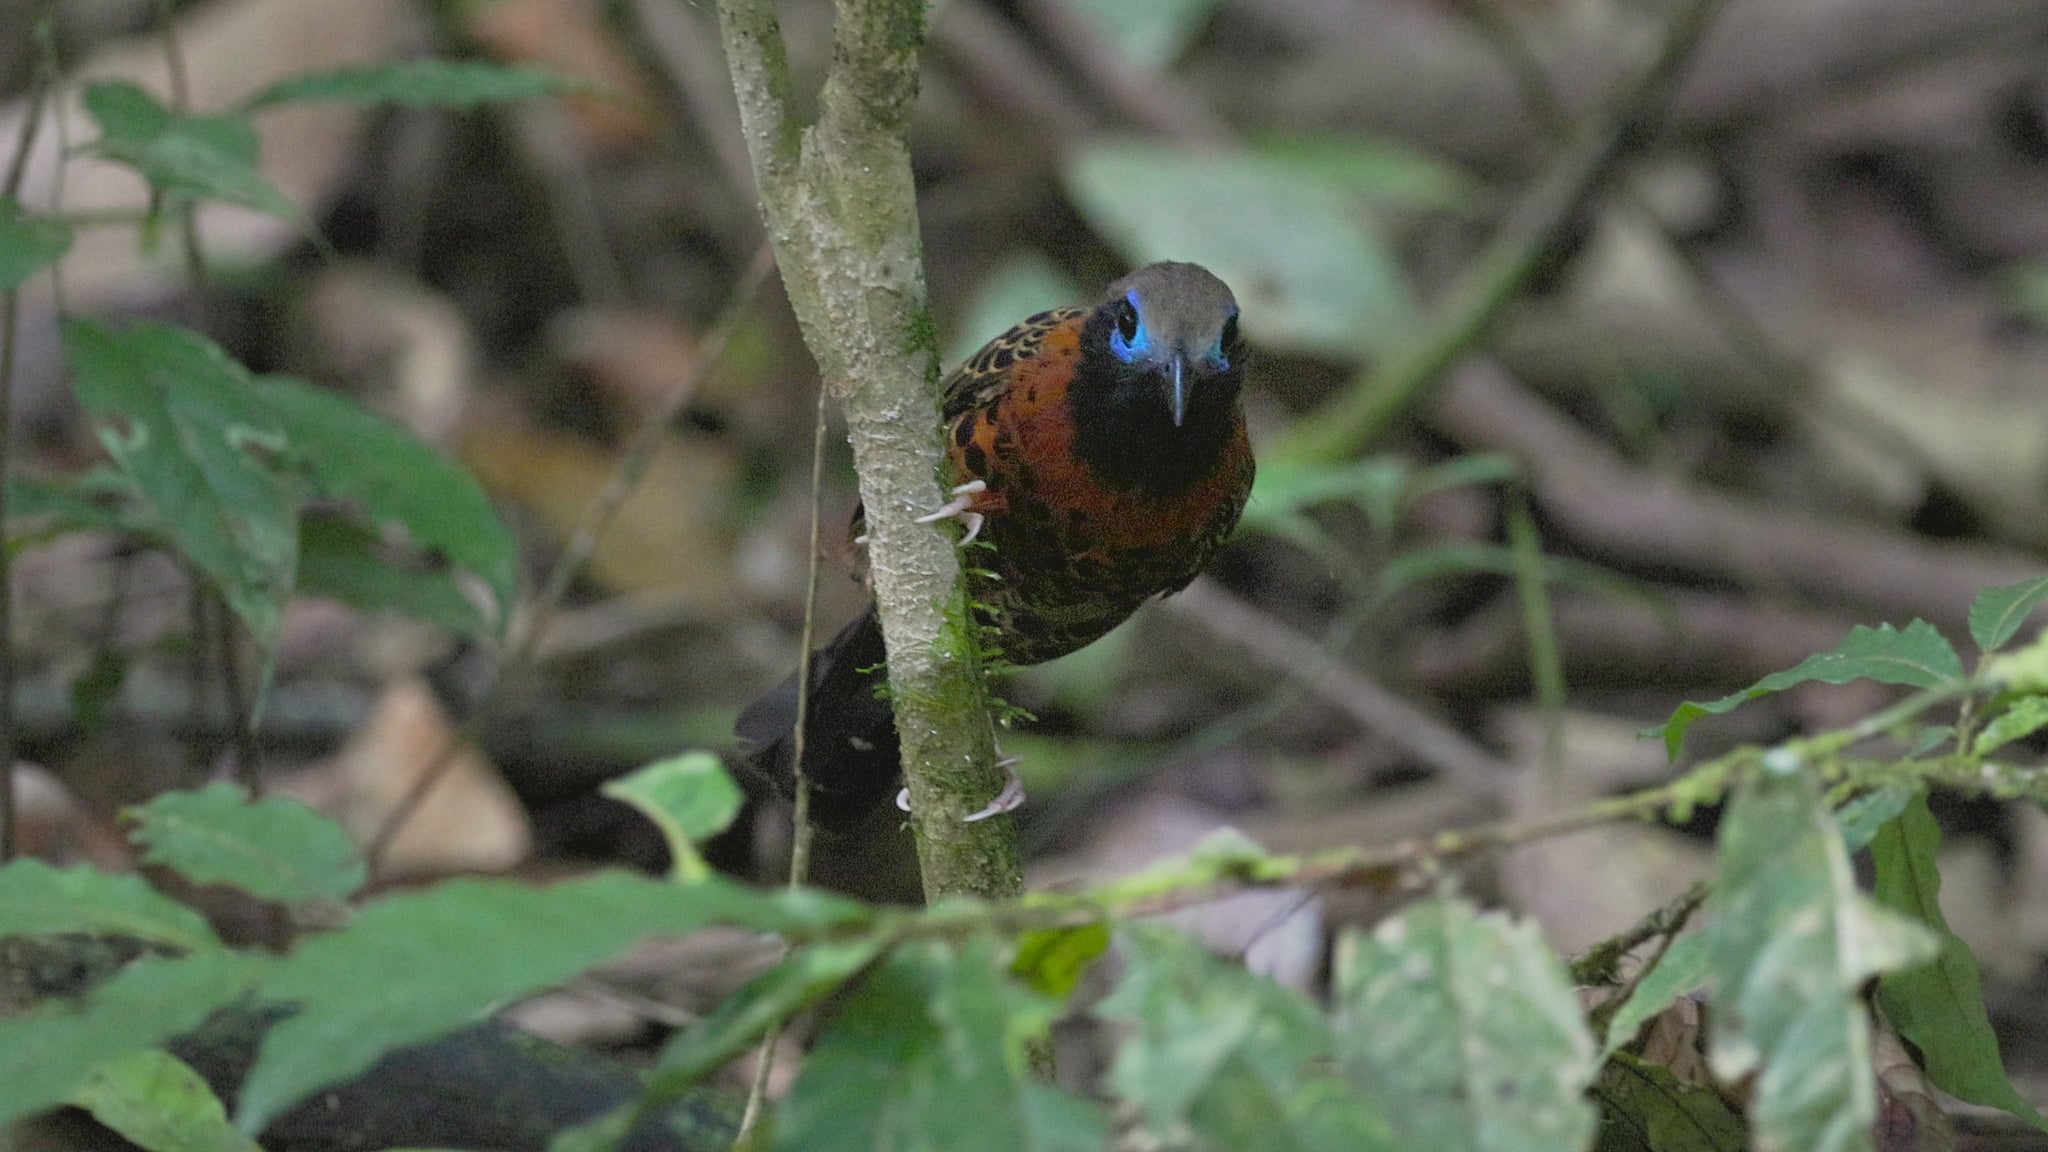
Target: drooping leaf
(201, 157)
(1790, 942)
(1682, 970)
(690, 798)
(157, 1101)
(928, 1029)
(1862, 817)
(47, 1053)
(803, 978)
(1998, 613)
(353, 454)
(343, 560)
(1917, 656)
(1648, 1109)
(28, 244)
(2021, 719)
(421, 84)
(1939, 1006)
(1382, 171)
(1309, 271)
(413, 966)
(1234, 1058)
(37, 899)
(1464, 1028)
(184, 422)
(273, 848)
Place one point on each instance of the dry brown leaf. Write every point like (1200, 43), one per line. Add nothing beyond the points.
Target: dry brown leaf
(470, 822)
(571, 37)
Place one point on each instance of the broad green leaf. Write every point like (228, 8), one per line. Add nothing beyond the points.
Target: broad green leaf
(28, 244)
(101, 499)
(353, 454)
(1020, 287)
(1790, 943)
(1648, 1109)
(1464, 1028)
(157, 1101)
(47, 1053)
(1150, 35)
(1682, 970)
(185, 423)
(343, 560)
(1997, 613)
(1382, 171)
(422, 84)
(273, 849)
(416, 965)
(927, 1052)
(1939, 1006)
(1234, 1058)
(1053, 960)
(690, 798)
(39, 900)
(2021, 719)
(203, 157)
(1309, 270)
(1917, 656)
(805, 977)
(1860, 818)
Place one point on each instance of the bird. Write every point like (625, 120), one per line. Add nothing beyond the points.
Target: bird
(1097, 458)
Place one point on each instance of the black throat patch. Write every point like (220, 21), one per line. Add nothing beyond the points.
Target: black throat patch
(1123, 431)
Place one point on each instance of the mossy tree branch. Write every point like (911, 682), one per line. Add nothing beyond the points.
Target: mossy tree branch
(841, 213)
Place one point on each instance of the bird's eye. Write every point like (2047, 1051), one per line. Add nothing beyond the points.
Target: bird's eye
(1127, 321)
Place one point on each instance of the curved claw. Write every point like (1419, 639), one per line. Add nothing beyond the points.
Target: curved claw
(961, 508)
(1009, 799)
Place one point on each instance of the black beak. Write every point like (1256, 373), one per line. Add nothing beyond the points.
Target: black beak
(1177, 390)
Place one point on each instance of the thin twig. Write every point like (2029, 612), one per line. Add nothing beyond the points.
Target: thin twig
(1401, 381)
(625, 477)
(10, 317)
(1539, 627)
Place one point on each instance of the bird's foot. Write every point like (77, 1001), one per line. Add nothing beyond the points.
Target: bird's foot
(1009, 799)
(961, 508)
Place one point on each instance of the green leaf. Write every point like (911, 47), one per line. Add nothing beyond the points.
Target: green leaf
(343, 560)
(28, 244)
(1682, 970)
(1309, 270)
(202, 157)
(1150, 35)
(157, 1101)
(422, 84)
(415, 965)
(805, 977)
(2021, 719)
(1464, 1027)
(1918, 656)
(1939, 1006)
(1053, 960)
(1233, 1057)
(929, 1028)
(183, 421)
(1382, 171)
(353, 454)
(273, 849)
(1862, 817)
(1646, 1102)
(47, 1053)
(39, 900)
(1998, 613)
(690, 798)
(1791, 941)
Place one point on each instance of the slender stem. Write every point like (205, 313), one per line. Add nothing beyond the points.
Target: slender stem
(625, 477)
(1539, 625)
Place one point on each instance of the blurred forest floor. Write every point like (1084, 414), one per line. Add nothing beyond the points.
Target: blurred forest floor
(1786, 373)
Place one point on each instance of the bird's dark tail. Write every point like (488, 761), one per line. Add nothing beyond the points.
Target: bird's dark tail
(851, 756)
